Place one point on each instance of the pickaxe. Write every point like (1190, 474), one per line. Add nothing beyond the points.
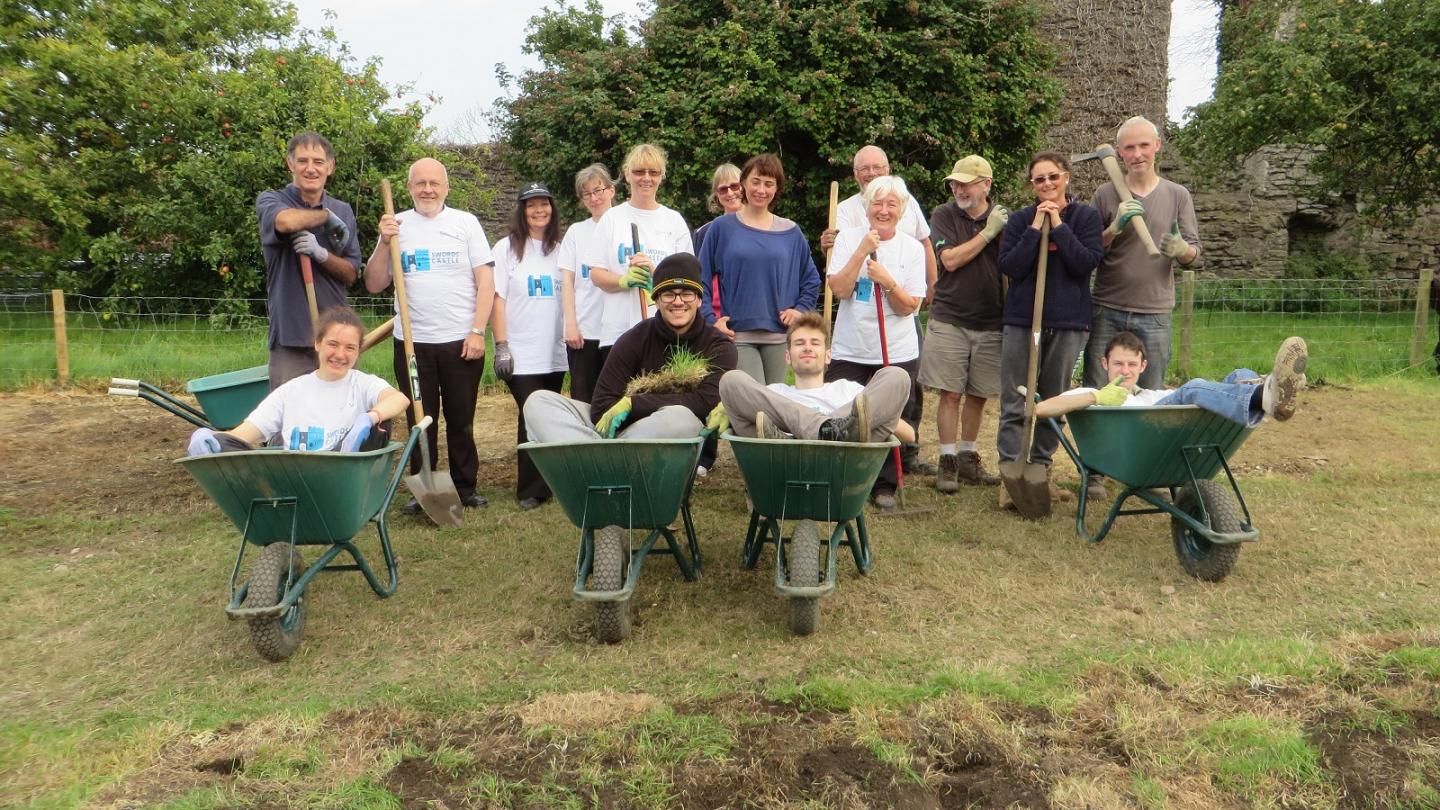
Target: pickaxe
(1106, 155)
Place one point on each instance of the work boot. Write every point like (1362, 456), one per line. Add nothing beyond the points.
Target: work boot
(1095, 488)
(971, 471)
(1286, 380)
(946, 480)
(765, 427)
(852, 428)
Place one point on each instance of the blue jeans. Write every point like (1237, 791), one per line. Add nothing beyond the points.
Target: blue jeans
(1237, 401)
(1153, 331)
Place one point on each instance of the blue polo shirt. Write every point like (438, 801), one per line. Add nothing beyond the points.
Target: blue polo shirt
(284, 288)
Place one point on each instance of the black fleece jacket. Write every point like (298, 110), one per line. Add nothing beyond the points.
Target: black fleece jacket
(645, 348)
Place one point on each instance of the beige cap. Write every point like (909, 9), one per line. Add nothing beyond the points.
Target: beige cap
(971, 168)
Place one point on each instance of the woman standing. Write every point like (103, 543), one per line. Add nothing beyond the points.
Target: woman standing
(725, 198)
(766, 274)
(1073, 252)
(583, 301)
(526, 319)
(877, 261)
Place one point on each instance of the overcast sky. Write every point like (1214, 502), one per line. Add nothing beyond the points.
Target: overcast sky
(455, 61)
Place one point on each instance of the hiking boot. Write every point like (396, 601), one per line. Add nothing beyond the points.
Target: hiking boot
(970, 471)
(884, 501)
(852, 428)
(1095, 488)
(946, 480)
(765, 427)
(1286, 380)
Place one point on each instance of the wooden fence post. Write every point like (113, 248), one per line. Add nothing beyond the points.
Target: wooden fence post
(62, 343)
(1419, 336)
(1187, 320)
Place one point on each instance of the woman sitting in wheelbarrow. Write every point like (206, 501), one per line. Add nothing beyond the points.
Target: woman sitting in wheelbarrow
(1243, 396)
(335, 407)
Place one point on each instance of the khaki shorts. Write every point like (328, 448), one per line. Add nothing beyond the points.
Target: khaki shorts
(960, 360)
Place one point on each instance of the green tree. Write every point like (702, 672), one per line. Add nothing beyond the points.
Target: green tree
(721, 80)
(1360, 79)
(137, 133)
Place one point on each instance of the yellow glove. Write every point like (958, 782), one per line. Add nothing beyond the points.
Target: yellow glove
(718, 420)
(611, 420)
(1112, 395)
(1173, 245)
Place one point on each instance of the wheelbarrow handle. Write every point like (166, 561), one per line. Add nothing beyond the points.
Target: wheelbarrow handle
(125, 382)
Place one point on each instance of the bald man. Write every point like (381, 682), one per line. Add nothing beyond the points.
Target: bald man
(450, 285)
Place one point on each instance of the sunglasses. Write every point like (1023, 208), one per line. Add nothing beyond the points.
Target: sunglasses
(730, 188)
(1044, 178)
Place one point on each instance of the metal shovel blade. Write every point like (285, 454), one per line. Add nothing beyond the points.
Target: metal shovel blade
(1029, 488)
(435, 493)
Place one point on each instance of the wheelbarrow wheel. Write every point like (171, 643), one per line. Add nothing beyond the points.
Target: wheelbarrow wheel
(612, 619)
(1199, 557)
(275, 637)
(803, 559)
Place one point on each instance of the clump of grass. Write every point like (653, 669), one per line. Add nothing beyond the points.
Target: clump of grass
(683, 372)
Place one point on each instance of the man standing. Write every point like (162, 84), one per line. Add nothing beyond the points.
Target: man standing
(1134, 292)
(869, 163)
(301, 219)
(961, 359)
(450, 287)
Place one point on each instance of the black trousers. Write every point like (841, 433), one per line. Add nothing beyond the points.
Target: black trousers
(585, 364)
(528, 481)
(448, 387)
(889, 477)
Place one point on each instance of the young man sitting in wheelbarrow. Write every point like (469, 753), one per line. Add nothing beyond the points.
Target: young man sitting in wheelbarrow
(841, 410)
(661, 379)
(1243, 396)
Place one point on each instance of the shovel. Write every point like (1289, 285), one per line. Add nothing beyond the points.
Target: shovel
(824, 280)
(435, 493)
(1027, 482)
(895, 451)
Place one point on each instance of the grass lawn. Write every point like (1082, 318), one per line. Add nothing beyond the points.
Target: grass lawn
(984, 662)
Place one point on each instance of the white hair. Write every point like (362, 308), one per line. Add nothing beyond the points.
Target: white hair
(886, 185)
(1135, 121)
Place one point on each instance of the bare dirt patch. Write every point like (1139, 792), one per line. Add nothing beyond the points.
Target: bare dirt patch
(1376, 769)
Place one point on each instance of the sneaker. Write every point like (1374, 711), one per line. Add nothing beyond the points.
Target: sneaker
(969, 470)
(1286, 380)
(884, 501)
(1095, 488)
(701, 471)
(474, 501)
(765, 427)
(526, 504)
(411, 508)
(852, 428)
(947, 479)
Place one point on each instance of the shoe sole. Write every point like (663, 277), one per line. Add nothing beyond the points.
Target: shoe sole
(1288, 377)
(765, 428)
(860, 431)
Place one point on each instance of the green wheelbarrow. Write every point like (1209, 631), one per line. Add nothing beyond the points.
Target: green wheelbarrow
(610, 489)
(807, 481)
(280, 500)
(1179, 448)
(225, 399)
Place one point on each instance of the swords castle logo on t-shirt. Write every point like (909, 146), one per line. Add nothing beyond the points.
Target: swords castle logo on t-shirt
(421, 259)
(540, 286)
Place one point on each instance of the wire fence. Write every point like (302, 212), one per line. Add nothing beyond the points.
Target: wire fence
(1355, 329)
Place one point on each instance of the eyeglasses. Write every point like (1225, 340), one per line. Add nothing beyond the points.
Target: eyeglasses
(594, 193)
(874, 168)
(671, 296)
(1053, 177)
(729, 188)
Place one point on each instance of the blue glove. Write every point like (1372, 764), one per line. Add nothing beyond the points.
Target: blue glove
(202, 443)
(359, 432)
(337, 230)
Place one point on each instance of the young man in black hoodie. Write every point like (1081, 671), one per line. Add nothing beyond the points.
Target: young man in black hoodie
(644, 349)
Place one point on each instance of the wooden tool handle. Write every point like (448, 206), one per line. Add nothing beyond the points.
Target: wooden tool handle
(1117, 179)
(377, 334)
(1037, 323)
(397, 272)
(824, 271)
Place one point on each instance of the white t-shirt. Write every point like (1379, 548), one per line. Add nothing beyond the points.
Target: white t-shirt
(857, 332)
(851, 214)
(440, 254)
(309, 413)
(589, 299)
(534, 321)
(1139, 397)
(662, 232)
(826, 399)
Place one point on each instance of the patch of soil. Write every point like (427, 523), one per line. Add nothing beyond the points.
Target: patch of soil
(419, 784)
(981, 780)
(1371, 767)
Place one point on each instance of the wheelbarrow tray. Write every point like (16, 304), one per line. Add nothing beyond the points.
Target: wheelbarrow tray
(636, 483)
(228, 398)
(335, 494)
(808, 480)
(1155, 446)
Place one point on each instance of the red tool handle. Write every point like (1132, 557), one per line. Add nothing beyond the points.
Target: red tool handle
(885, 361)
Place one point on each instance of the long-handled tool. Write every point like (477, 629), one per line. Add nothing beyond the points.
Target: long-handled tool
(435, 493)
(824, 280)
(885, 361)
(308, 275)
(377, 334)
(1027, 482)
(1105, 153)
(639, 292)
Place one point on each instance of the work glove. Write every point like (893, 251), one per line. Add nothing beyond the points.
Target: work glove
(1173, 245)
(995, 223)
(636, 277)
(306, 244)
(504, 361)
(337, 230)
(718, 420)
(611, 420)
(359, 432)
(1112, 395)
(202, 443)
(1127, 211)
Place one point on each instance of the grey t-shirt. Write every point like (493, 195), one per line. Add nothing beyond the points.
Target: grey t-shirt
(1127, 278)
